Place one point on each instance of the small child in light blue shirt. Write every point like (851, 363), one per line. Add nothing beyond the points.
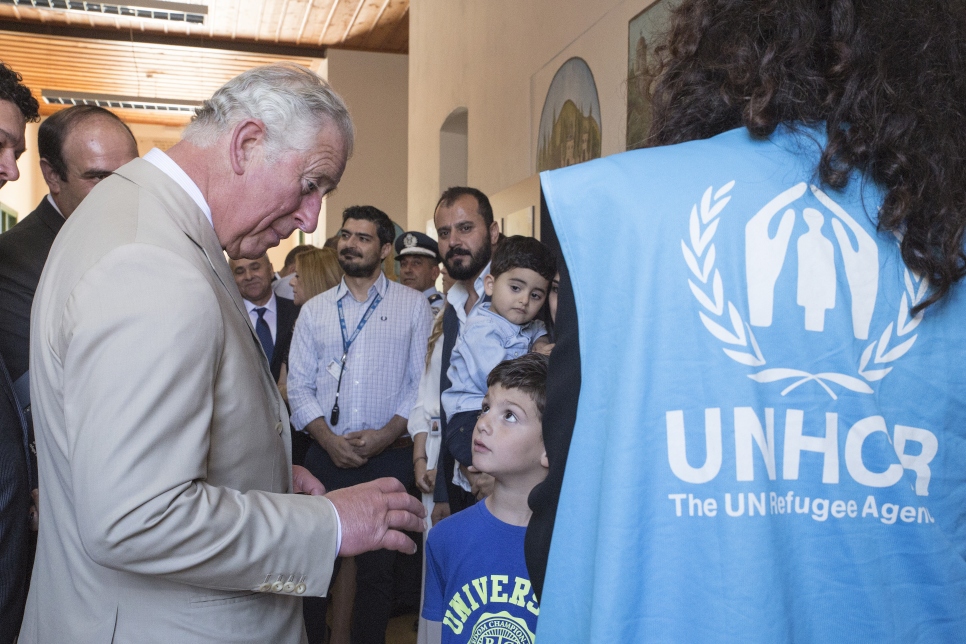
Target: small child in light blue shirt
(517, 285)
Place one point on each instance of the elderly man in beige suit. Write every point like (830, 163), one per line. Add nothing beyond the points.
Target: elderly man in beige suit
(166, 487)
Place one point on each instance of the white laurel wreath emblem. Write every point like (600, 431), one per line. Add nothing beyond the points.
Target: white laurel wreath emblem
(699, 254)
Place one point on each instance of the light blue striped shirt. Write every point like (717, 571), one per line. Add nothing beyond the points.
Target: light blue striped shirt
(384, 365)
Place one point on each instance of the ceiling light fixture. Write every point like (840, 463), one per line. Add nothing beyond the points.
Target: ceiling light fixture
(59, 97)
(142, 9)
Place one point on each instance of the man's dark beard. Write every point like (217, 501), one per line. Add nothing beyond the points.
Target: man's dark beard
(478, 260)
(357, 270)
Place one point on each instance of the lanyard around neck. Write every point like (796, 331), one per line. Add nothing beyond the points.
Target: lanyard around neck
(347, 341)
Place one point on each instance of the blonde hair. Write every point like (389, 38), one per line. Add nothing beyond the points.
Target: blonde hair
(436, 333)
(318, 270)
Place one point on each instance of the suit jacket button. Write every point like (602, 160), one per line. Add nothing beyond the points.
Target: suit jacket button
(278, 427)
(300, 589)
(264, 588)
(289, 586)
(277, 587)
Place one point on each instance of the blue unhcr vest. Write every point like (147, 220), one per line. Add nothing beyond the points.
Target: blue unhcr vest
(768, 446)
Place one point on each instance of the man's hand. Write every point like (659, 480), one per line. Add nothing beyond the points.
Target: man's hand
(303, 482)
(369, 442)
(440, 512)
(339, 450)
(425, 479)
(481, 484)
(372, 515)
(546, 348)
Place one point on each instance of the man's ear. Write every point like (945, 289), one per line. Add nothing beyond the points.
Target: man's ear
(544, 461)
(488, 282)
(247, 140)
(494, 232)
(51, 178)
(384, 251)
(435, 272)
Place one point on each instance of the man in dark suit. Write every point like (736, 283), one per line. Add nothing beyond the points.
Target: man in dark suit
(78, 147)
(272, 316)
(17, 106)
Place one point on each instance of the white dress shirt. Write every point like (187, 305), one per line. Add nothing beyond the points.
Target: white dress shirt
(458, 295)
(166, 164)
(270, 316)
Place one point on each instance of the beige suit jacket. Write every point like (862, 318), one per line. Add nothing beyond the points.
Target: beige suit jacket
(163, 444)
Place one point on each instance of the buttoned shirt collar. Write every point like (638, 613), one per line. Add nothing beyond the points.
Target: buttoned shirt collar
(379, 286)
(53, 203)
(458, 295)
(271, 305)
(166, 164)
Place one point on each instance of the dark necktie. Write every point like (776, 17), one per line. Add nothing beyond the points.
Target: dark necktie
(264, 333)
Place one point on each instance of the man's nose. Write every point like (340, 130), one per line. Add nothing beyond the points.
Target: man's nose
(307, 216)
(8, 166)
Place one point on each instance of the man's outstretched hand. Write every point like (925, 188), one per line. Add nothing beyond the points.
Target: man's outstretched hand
(374, 513)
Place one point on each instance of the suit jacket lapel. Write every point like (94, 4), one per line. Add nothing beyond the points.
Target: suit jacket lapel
(189, 217)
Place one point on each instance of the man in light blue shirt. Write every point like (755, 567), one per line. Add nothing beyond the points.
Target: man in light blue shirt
(467, 233)
(354, 368)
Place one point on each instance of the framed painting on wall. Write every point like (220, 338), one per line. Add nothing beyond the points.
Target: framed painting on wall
(570, 124)
(643, 32)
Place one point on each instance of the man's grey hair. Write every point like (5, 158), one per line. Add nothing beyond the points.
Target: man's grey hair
(292, 102)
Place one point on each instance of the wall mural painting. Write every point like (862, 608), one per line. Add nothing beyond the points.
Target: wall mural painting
(643, 32)
(570, 122)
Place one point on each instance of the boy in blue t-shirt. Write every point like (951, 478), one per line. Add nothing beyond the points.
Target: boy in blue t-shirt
(517, 285)
(477, 582)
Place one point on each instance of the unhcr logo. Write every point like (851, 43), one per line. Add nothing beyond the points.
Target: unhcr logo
(817, 283)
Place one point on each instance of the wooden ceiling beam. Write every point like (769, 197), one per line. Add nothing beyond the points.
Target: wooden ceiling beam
(203, 42)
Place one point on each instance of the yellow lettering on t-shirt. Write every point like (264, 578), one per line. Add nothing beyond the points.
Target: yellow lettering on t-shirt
(455, 625)
(458, 605)
(532, 605)
(480, 585)
(469, 596)
(520, 589)
(496, 583)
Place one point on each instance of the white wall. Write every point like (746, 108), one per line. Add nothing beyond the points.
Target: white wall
(375, 87)
(497, 59)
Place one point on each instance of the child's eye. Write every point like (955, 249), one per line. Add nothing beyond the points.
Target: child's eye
(536, 296)
(485, 409)
(515, 289)
(509, 417)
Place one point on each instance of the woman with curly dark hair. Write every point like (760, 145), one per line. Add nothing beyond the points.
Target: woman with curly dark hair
(766, 419)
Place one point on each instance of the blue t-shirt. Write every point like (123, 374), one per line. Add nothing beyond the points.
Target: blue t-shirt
(477, 582)
(769, 446)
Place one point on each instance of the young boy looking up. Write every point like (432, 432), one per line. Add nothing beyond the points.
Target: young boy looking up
(517, 286)
(476, 577)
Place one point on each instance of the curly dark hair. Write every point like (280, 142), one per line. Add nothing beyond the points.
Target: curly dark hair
(12, 89)
(888, 78)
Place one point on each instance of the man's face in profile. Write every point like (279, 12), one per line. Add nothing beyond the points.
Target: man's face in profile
(280, 193)
(93, 149)
(254, 278)
(12, 144)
